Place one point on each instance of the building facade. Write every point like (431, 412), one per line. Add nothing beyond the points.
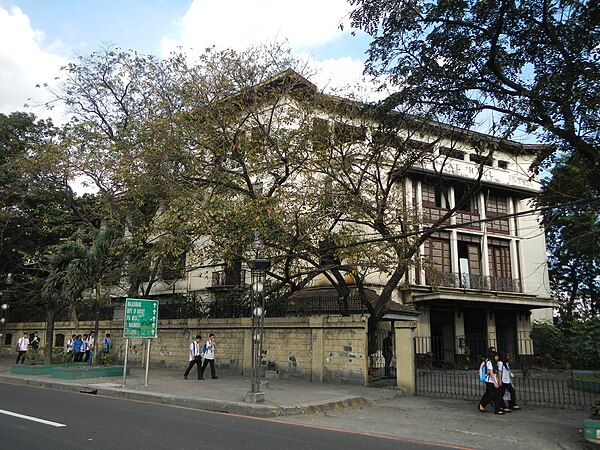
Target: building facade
(478, 279)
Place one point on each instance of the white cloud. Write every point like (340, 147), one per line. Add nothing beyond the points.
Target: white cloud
(23, 64)
(305, 26)
(238, 24)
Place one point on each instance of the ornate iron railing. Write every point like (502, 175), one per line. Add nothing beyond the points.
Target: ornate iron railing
(468, 281)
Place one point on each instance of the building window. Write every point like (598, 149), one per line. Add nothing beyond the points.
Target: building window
(497, 206)
(469, 262)
(59, 340)
(499, 256)
(437, 253)
(503, 165)
(345, 133)
(470, 205)
(452, 153)
(419, 146)
(479, 159)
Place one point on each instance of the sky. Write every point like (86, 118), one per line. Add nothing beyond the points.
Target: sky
(37, 37)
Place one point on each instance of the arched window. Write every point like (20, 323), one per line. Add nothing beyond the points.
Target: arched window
(59, 341)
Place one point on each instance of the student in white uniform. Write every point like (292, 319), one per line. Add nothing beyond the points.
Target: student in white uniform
(507, 375)
(22, 347)
(209, 357)
(492, 384)
(194, 357)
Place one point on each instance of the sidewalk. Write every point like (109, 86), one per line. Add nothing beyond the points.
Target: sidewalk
(340, 406)
(225, 394)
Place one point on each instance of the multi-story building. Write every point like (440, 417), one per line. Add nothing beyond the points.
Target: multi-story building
(481, 277)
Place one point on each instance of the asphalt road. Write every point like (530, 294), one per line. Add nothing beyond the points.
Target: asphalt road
(84, 421)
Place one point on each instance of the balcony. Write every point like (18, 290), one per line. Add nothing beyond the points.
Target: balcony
(468, 281)
(225, 278)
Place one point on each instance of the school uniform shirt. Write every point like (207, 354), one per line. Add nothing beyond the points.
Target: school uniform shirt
(70, 345)
(489, 366)
(83, 347)
(504, 369)
(209, 350)
(23, 344)
(195, 350)
(90, 343)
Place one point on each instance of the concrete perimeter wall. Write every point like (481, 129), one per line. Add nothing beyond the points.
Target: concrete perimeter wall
(330, 349)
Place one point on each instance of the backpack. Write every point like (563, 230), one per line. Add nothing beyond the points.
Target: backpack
(482, 371)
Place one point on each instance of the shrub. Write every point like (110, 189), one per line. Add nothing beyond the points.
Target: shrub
(60, 356)
(548, 344)
(105, 359)
(35, 356)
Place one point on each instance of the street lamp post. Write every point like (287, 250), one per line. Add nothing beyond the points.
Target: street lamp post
(258, 271)
(4, 297)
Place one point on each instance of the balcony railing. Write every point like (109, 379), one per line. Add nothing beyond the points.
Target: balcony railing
(468, 281)
(222, 278)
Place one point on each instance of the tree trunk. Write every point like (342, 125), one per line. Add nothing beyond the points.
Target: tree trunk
(97, 326)
(50, 316)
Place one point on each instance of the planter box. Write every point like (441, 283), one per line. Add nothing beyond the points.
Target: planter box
(76, 373)
(39, 369)
(31, 369)
(585, 385)
(591, 430)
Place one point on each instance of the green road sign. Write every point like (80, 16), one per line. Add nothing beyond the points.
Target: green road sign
(141, 318)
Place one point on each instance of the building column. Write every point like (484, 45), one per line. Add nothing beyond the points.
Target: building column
(405, 356)
(454, 254)
(490, 318)
(423, 344)
(459, 331)
(316, 350)
(485, 259)
(524, 342)
(411, 208)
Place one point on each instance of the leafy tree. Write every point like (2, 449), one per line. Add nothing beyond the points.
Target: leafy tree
(112, 96)
(535, 63)
(37, 206)
(573, 237)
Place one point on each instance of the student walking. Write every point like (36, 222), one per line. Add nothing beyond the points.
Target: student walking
(492, 384)
(22, 347)
(506, 378)
(194, 357)
(209, 350)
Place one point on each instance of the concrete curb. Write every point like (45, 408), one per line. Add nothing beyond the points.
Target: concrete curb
(221, 406)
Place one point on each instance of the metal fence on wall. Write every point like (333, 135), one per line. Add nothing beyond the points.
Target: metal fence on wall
(462, 352)
(555, 390)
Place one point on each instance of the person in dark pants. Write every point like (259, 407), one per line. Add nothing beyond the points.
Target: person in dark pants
(209, 357)
(22, 347)
(35, 341)
(388, 354)
(492, 384)
(194, 357)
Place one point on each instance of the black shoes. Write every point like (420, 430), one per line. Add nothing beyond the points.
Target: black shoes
(214, 378)
(185, 377)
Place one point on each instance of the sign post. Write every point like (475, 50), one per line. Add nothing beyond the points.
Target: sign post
(141, 322)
